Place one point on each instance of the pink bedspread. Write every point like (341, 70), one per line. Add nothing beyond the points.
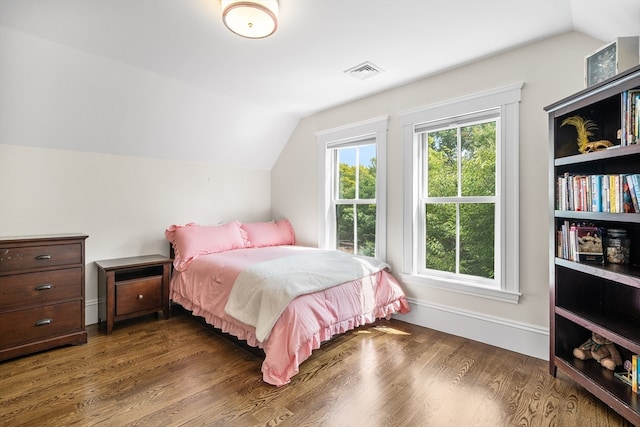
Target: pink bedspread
(306, 322)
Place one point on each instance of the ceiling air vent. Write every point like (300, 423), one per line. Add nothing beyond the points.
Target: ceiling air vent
(364, 70)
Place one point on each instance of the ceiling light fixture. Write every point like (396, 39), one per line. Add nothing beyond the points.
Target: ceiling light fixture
(253, 19)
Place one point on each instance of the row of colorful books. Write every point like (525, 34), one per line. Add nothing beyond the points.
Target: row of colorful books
(580, 242)
(630, 131)
(631, 373)
(618, 193)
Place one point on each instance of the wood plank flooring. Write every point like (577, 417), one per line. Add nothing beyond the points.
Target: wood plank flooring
(177, 372)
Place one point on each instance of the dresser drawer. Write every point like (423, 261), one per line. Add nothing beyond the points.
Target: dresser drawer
(16, 258)
(42, 287)
(138, 295)
(39, 323)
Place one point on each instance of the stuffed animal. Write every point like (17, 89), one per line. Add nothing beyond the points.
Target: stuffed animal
(601, 349)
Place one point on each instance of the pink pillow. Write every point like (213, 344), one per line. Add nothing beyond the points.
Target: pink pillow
(192, 240)
(261, 234)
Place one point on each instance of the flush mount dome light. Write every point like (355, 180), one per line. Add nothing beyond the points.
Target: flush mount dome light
(252, 19)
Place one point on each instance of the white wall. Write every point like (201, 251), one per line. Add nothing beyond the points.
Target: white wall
(123, 203)
(83, 101)
(551, 69)
(54, 99)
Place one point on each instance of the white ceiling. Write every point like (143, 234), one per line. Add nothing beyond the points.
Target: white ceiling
(300, 69)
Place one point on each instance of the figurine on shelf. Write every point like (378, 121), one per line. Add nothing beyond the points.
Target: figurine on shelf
(585, 128)
(625, 376)
(601, 349)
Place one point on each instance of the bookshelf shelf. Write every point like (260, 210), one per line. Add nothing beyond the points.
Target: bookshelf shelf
(602, 385)
(596, 156)
(601, 298)
(633, 218)
(608, 324)
(623, 274)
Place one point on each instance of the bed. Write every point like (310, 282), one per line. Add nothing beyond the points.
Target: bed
(251, 281)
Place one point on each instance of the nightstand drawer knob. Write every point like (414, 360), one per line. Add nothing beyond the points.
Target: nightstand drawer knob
(43, 257)
(43, 322)
(44, 287)
(140, 296)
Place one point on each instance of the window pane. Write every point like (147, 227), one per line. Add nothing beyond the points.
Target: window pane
(478, 159)
(442, 163)
(367, 178)
(440, 249)
(345, 229)
(477, 245)
(366, 229)
(346, 173)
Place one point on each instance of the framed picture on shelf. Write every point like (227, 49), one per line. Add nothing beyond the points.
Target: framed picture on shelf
(590, 244)
(619, 55)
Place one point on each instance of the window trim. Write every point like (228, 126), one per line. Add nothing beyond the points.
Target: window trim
(506, 98)
(375, 131)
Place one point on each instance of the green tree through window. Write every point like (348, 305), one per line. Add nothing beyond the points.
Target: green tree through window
(460, 184)
(356, 199)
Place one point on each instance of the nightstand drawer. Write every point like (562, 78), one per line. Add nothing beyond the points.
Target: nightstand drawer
(34, 257)
(29, 325)
(41, 287)
(138, 295)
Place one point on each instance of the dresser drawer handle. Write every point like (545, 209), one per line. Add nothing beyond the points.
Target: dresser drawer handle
(43, 257)
(140, 296)
(44, 287)
(43, 322)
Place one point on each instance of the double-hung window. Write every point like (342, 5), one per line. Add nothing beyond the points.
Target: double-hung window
(461, 195)
(457, 196)
(352, 160)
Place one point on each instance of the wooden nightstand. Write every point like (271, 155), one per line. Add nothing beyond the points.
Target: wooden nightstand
(132, 287)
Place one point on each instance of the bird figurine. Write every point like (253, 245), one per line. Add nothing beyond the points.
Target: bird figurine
(585, 129)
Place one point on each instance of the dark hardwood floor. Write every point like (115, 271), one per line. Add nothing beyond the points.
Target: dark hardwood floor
(177, 372)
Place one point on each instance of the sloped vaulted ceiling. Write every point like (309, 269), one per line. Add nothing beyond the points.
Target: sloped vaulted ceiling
(251, 93)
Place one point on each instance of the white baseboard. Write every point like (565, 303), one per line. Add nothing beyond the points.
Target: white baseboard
(91, 312)
(519, 337)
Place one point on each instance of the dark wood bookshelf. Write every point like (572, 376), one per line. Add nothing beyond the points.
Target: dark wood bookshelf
(602, 298)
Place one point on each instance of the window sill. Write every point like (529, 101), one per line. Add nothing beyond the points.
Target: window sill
(461, 287)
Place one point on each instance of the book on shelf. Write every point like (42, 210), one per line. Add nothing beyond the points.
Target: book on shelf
(624, 376)
(605, 195)
(634, 373)
(612, 193)
(632, 193)
(627, 202)
(596, 197)
(630, 374)
(630, 132)
(616, 195)
(636, 187)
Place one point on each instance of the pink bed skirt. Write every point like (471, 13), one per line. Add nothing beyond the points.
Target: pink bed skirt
(308, 321)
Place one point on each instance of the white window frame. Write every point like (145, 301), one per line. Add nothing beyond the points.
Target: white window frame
(372, 131)
(506, 285)
(492, 115)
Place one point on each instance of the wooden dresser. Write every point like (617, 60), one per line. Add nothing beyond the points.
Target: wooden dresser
(41, 293)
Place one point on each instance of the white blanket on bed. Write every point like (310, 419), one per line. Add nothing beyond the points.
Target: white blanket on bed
(261, 292)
